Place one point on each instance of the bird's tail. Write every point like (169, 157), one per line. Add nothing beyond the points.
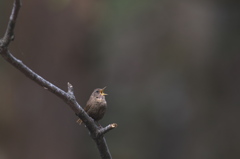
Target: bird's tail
(79, 121)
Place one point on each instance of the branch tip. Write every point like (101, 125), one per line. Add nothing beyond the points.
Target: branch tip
(107, 129)
(114, 125)
(70, 88)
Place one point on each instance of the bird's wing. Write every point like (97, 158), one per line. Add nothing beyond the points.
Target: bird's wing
(87, 107)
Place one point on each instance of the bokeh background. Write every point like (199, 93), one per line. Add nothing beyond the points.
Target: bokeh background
(172, 71)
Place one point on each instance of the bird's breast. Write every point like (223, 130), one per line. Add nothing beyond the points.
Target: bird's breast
(101, 100)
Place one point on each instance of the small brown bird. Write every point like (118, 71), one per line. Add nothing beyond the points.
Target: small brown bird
(96, 105)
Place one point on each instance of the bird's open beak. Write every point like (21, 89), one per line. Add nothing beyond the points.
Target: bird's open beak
(102, 93)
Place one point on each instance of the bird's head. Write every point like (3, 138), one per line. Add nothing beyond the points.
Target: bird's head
(99, 92)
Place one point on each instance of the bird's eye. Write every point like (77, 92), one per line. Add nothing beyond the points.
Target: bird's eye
(97, 91)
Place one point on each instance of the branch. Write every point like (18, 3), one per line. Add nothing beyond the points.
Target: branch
(9, 34)
(103, 131)
(97, 133)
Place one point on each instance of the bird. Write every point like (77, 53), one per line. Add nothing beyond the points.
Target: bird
(96, 105)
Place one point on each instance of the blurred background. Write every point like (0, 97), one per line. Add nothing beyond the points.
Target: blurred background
(172, 71)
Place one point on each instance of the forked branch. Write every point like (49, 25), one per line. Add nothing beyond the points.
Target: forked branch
(68, 97)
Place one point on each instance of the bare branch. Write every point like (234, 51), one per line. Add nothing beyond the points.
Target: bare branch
(103, 148)
(107, 128)
(68, 97)
(9, 34)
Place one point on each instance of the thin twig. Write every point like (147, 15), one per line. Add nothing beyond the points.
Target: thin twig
(106, 129)
(68, 97)
(9, 34)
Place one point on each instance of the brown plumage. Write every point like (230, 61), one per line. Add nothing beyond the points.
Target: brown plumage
(96, 105)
